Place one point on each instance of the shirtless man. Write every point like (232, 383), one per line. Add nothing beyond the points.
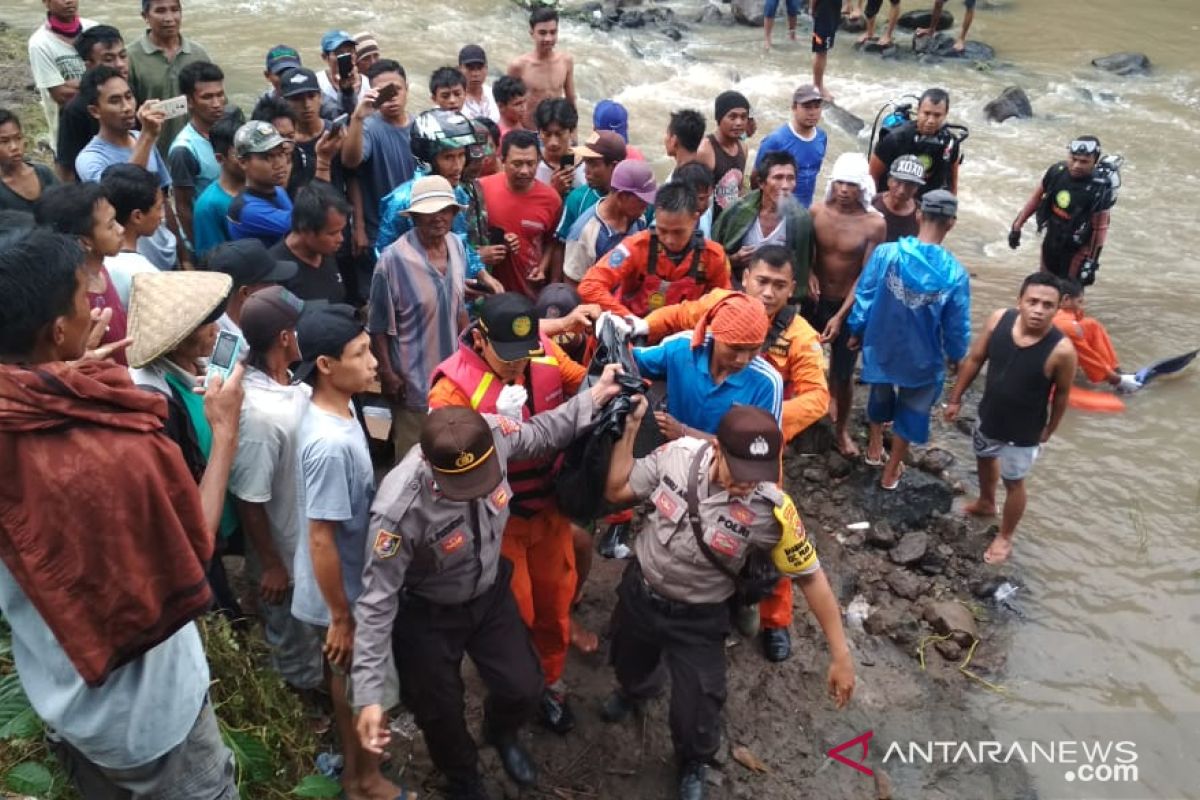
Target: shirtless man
(544, 72)
(1031, 366)
(847, 230)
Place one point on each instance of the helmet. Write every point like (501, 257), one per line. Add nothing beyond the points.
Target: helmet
(482, 146)
(437, 130)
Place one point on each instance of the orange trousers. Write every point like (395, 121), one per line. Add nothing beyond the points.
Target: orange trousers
(775, 611)
(542, 551)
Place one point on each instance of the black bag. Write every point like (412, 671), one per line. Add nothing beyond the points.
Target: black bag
(758, 576)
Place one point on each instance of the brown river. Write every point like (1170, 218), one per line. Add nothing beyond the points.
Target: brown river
(1110, 546)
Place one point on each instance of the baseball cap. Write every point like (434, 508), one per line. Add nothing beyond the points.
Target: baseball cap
(256, 137)
(805, 93)
(751, 442)
(557, 300)
(939, 203)
(602, 144)
(636, 177)
(457, 442)
(510, 323)
(334, 39)
(365, 45)
(471, 54)
(267, 313)
(609, 115)
(248, 262)
(431, 194)
(908, 168)
(282, 57)
(324, 330)
(300, 80)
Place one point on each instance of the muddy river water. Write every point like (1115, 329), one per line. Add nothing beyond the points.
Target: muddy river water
(1110, 545)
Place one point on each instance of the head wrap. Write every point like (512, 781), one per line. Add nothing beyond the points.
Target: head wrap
(737, 320)
(728, 101)
(852, 168)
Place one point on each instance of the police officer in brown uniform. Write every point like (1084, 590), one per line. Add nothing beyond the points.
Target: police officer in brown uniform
(672, 602)
(435, 586)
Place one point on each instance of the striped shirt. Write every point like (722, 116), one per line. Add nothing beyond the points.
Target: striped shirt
(692, 396)
(419, 309)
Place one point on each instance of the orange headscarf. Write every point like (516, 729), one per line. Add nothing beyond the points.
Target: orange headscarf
(737, 320)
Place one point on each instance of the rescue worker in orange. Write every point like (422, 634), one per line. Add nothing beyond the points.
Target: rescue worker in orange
(794, 349)
(665, 265)
(1097, 356)
(505, 365)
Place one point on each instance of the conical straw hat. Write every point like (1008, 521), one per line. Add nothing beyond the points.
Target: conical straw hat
(165, 307)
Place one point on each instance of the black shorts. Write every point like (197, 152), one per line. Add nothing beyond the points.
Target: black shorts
(827, 16)
(842, 359)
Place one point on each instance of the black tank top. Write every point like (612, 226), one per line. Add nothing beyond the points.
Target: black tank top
(1016, 399)
(728, 173)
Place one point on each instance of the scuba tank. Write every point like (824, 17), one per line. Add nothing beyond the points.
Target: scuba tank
(899, 111)
(1108, 175)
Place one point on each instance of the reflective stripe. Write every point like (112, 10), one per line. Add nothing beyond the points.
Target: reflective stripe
(481, 390)
(551, 360)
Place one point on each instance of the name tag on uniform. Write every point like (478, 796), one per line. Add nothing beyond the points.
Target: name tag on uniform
(727, 544)
(387, 544)
(453, 542)
(668, 504)
(498, 500)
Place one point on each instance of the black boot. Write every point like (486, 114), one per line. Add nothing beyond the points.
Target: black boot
(777, 644)
(614, 543)
(554, 713)
(513, 757)
(692, 781)
(618, 707)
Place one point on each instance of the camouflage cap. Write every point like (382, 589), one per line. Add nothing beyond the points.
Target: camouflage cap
(256, 137)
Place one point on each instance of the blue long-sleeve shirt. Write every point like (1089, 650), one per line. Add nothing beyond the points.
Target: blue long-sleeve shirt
(912, 311)
(393, 224)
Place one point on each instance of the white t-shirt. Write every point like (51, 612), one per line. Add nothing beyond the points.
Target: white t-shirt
(477, 109)
(755, 236)
(53, 62)
(545, 172)
(265, 468)
(121, 269)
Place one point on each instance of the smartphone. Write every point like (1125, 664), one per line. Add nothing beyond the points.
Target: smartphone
(225, 355)
(386, 94)
(496, 236)
(174, 107)
(345, 62)
(338, 124)
(568, 161)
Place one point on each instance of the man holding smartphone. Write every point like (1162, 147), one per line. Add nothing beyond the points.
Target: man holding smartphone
(340, 81)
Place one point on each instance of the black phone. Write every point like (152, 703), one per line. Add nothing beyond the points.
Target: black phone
(568, 161)
(386, 94)
(496, 235)
(345, 64)
(476, 285)
(338, 123)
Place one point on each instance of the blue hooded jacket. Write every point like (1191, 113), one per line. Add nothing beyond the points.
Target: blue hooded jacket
(912, 311)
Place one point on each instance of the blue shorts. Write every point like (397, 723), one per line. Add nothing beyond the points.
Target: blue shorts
(772, 7)
(908, 409)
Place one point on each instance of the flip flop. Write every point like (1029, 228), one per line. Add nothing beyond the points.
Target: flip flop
(895, 485)
(879, 462)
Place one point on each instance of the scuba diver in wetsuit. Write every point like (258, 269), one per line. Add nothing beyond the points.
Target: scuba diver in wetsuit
(936, 144)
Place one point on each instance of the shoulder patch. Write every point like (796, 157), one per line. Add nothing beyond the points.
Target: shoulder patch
(387, 544)
(617, 257)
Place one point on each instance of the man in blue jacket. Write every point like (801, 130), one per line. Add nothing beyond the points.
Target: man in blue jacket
(911, 315)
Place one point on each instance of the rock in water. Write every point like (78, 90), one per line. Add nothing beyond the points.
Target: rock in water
(844, 119)
(711, 13)
(747, 12)
(1123, 63)
(942, 46)
(919, 497)
(853, 25)
(911, 20)
(1012, 102)
(911, 548)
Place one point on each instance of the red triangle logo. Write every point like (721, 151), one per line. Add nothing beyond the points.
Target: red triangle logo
(836, 753)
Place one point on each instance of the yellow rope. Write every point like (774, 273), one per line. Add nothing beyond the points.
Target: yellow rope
(963, 666)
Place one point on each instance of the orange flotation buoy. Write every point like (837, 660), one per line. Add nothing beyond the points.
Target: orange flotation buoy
(1092, 400)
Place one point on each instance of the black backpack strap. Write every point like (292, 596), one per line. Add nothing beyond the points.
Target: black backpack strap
(693, 501)
(778, 325)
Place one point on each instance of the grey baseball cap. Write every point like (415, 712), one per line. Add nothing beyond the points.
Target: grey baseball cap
(908, 168)
(939, 203)
(256, 137)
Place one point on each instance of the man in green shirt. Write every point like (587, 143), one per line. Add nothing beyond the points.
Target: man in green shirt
(156, 60)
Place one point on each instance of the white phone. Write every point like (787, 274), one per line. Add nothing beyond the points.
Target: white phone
(174, 107)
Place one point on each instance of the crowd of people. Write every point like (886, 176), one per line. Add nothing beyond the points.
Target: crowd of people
(244, 285)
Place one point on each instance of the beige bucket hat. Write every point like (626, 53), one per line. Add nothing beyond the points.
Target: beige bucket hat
(165, 307)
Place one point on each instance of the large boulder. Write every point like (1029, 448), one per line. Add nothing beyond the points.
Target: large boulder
(911, 20)
(710, 13)
(941, 46)
(747, 12)
(919, 497)
(1012, 102)
(1123, 63)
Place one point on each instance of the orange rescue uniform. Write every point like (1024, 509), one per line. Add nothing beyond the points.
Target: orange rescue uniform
(796, 353)
(541, 547)
(1097, 358)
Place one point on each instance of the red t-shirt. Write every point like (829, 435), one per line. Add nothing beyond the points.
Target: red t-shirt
(532, 216)
(118, 324)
